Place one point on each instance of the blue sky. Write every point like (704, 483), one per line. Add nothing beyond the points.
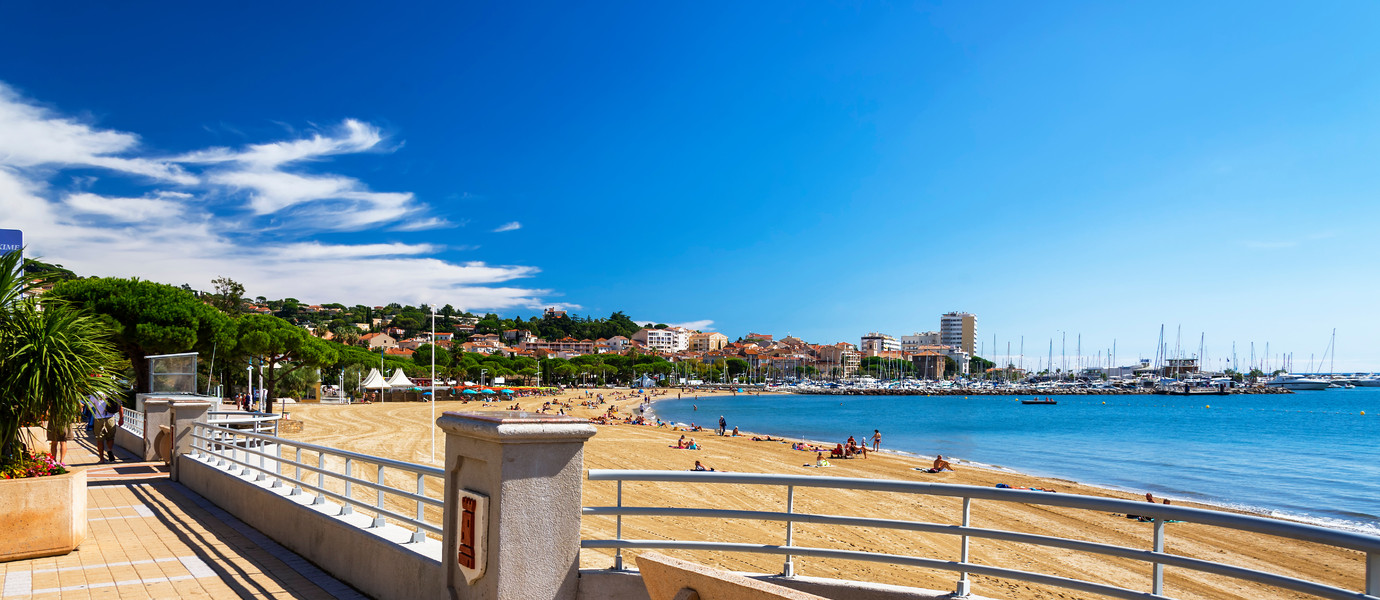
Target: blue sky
(822, 169)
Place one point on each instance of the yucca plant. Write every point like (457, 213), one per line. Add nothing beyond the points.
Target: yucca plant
(51, 354)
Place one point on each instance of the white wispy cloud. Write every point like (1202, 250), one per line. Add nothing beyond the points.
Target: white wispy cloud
(187, 227)
(35, 136)
(514, 226)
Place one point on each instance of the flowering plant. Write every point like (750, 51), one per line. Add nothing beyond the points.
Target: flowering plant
(30, 465)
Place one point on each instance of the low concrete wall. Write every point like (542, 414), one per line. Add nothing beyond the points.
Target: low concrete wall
(42, 516)
(129, 441)
(627, 585)
(371, 560)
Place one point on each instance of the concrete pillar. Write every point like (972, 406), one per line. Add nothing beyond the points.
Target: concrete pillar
(156, 413)
(531, 468)
(184, 414)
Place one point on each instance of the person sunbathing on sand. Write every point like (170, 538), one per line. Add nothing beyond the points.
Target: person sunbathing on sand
(941, 465)
(692, 445)
(700, 467)
(819, 460)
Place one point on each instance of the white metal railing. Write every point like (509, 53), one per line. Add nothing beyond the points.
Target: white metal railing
(263, 456)
(257, 422)
(1157, 557)
(133, 421)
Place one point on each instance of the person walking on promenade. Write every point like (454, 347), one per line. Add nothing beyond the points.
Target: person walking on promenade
(107, 411)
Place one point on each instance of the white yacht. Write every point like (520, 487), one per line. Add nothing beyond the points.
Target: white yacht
(1290, 381)
(1371, 381)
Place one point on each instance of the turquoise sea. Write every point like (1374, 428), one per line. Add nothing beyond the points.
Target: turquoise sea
(1308, 455)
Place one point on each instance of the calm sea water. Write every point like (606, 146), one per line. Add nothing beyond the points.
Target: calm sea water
(1308, 455)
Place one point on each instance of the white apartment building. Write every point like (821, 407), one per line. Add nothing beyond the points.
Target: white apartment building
(671, 339)
(913, 342)
(880, 342)
(959, 329)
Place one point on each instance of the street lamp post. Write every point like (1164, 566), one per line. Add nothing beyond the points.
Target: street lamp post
(433, 382)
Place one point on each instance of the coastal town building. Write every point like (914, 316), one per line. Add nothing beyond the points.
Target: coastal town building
(959, 329)
(518, 336)
(553, 313)
(928, 364)
(914, 341)
(412, 343)
(758, 336)
(374, 341)
(671, 339)
(565, 345)
(879, 342)
(837, 360)
(707, 341)
(618, 344)
(399, 352)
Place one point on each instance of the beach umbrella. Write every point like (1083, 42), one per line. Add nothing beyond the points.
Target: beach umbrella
(471, 392)
(507, 391)
(489, 391)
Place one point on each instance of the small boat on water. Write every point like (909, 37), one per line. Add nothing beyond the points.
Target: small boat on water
(1039, 401)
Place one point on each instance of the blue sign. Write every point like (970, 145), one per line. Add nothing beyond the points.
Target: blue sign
(10, 240)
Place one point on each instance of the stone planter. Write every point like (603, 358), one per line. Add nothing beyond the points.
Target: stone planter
(42, 516)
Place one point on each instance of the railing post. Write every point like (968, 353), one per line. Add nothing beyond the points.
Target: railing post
(618, 531)
(419, 536)
(528, 469)
(789, 569)
(1157, 585)
(963, 583)
(1373, 573)
(278, 467)
(345, 507)
(297, 474)
(262, 475)
(378, 503)
(320, 478)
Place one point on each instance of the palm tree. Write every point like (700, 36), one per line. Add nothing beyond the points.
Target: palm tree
(50, 357)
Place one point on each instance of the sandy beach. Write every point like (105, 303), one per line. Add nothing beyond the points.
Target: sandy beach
(401, 431)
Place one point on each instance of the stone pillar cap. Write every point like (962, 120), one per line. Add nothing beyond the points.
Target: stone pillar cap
(507, 426)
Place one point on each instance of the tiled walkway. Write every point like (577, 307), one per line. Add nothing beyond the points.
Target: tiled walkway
(149, 537)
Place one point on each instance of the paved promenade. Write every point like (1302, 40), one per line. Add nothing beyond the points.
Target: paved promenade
(149, 537)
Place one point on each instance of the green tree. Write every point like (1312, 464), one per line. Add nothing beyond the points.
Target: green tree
(228, 297)
(736, 366)
(423, 356)
(48, 353)
(284, 348)
(150, 318)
